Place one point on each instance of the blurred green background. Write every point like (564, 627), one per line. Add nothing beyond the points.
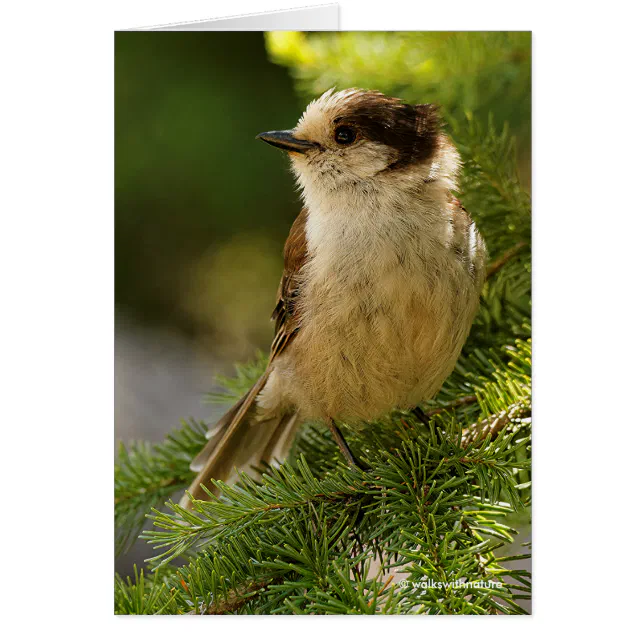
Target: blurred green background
(203, 209)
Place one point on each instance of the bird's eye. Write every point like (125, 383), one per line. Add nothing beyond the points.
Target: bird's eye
(345, 135)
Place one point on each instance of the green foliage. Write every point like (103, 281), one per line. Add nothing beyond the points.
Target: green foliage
(151, 595)
(490, 186)
(430, 527)
(491, 191)
(327, 539)
(297, 543)
(146, 476)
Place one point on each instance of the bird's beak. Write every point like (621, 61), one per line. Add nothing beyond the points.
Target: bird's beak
(284, 139)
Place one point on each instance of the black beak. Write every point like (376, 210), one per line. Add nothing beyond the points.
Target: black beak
(284, 139)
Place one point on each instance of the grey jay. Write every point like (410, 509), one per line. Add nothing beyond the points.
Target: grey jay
(383, 269)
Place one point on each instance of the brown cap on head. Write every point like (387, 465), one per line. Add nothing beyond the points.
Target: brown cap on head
(412, 130)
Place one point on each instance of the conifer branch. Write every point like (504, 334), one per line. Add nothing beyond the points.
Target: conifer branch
(236, 600)
(492, 425)
(449, 406)
(145, 476)
(498, 264)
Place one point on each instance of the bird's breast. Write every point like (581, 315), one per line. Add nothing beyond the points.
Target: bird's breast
(383, 321)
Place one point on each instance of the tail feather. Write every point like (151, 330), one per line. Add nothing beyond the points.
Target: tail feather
(281, 439)
(216, 433)
(239, 442)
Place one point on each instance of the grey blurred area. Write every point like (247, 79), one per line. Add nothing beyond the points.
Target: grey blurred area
(160, 378)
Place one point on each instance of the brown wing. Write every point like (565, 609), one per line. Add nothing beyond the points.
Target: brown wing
(467, 243)
(286, 314)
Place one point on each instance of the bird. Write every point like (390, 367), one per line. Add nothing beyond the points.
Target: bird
(383, 271)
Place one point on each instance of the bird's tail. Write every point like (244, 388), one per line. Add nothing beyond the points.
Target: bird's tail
(240, 441)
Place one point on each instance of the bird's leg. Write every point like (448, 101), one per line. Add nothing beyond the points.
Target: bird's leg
(344, 447)
(421, 415)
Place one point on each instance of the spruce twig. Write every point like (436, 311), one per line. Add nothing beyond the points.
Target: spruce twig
(497, 265)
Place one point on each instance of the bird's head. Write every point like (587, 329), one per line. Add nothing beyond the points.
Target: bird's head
(354, 138)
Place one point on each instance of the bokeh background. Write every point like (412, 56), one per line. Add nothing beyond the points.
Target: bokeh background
(203, 209)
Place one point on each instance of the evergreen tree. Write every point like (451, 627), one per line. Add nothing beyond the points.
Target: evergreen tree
(431, 526)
